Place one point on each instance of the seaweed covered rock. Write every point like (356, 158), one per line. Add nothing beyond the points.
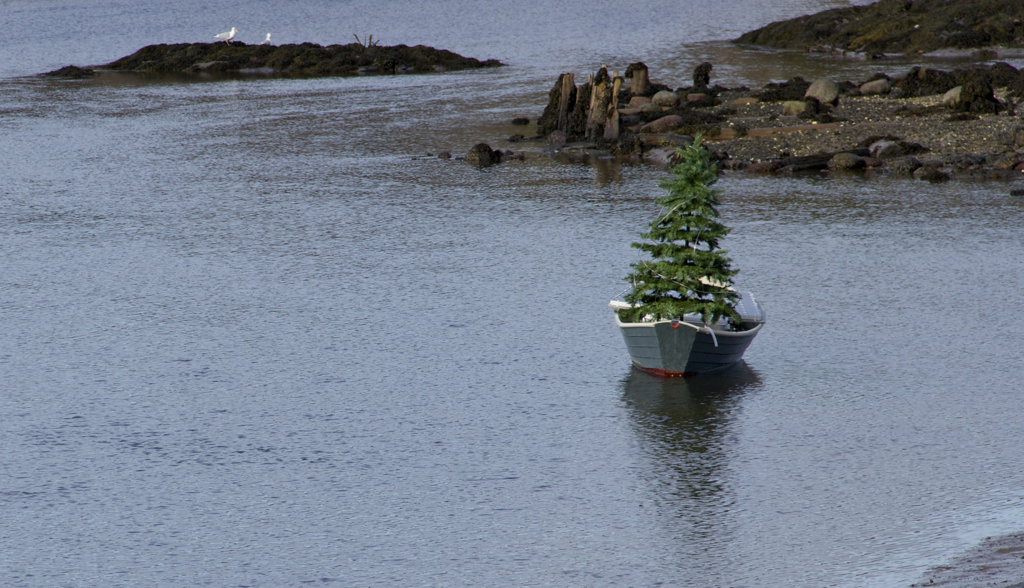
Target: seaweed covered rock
(71, 72)
(976, 96)
(922, 81)
(899, 26)
(792, 89)
(304, 58)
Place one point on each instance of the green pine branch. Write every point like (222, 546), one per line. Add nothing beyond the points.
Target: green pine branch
(683, 245)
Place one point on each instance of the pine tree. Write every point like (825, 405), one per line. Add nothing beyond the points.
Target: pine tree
(687, 272)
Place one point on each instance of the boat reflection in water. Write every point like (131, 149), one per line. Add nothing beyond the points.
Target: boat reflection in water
(684, 426)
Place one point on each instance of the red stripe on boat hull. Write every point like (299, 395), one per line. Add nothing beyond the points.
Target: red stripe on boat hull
(663, 373)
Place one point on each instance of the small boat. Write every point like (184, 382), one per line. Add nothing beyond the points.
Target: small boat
(670, 348)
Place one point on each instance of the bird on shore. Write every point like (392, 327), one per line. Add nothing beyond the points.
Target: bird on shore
(226, 37)
(266, 41)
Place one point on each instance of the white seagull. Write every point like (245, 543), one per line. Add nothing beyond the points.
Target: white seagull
(267, 40)
(226, 37)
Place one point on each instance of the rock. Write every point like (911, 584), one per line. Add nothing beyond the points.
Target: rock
(516, 138)
(904, 166)
(813, 109)
(930, 174)
(557, 139)
(638, 101)
(883, 149)
(482, 155)
(873, 162)
(793, 107)
(665, 139)
(921, 81)
(1005, 162)
(699, 100)
(1016, 192)
(743, 101)
(71, 72)
(666, 98)
(520, 121)
(444, 155)
(651, 107)
(976, 95)
(961, 117)
(1003, 74)
(296, 59)
(660, 156)
(875, 87)
(663, 124)
(824, 90)
(968, 159)
(805, 163)
(952, 97)
(210, 66)
(903, 27)
(846, 161)
(889, 148)
(763, 167)
(629, 120)
(793, 89)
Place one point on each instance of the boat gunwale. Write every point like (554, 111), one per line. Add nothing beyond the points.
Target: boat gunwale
(700, 328)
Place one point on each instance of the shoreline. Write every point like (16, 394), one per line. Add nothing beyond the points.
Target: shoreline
(928, 124)
(997, 562)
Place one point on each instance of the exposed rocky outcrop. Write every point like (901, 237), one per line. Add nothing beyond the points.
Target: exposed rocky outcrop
(899, 26)
(301, 59)
(71, 72)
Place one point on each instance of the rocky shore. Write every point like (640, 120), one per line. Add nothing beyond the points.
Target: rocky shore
(900, 26)
(307, 59)
(926, 123)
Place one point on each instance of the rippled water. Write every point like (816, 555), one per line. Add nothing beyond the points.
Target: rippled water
(251, 335)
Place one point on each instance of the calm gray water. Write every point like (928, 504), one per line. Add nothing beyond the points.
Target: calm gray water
(249, 338)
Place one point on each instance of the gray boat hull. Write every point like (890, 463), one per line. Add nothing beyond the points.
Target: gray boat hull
(666, 349)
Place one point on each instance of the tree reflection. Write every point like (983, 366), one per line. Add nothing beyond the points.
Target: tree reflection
(684, 428)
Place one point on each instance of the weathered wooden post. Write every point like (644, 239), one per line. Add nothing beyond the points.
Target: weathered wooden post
(611, 129)
(568, 90)
(598, 104)
(639, 83)
(701, 77)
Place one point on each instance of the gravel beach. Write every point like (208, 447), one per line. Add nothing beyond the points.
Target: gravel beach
(770, 135)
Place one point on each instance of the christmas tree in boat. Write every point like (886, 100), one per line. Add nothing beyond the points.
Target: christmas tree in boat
(682, 315)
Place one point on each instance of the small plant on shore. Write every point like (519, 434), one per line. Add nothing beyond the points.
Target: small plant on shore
(366, 42)
(687, 272)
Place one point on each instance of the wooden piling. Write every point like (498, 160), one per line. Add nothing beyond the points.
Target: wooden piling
(568, 89)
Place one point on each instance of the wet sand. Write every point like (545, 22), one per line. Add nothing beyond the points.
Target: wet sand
(996, 562)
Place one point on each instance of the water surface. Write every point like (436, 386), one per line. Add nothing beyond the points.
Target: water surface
(253, 335)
